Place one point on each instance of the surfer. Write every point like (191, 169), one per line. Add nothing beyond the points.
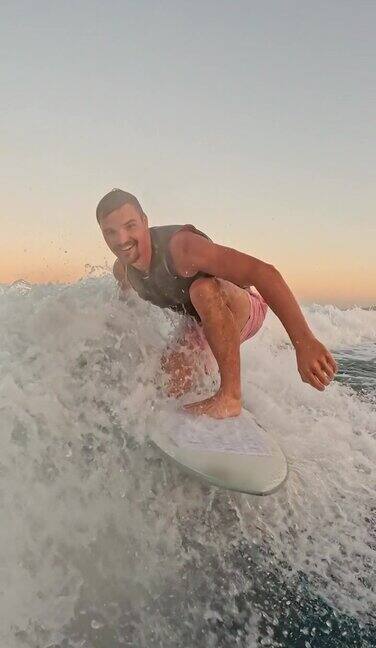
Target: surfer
(179, 267)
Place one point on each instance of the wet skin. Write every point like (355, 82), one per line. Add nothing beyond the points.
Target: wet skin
(222, 304)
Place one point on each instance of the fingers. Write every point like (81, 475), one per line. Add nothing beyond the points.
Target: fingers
(328, 369)
(317, 367)
(332, 363)
(324, 372)
(316, 382)
(317, 377)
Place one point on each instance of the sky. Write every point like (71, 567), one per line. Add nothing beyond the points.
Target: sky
(253, 120)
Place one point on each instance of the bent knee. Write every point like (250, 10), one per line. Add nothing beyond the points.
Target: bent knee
(204, 286)
(205, 290)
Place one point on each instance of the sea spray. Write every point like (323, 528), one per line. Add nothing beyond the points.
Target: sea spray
(104, 543)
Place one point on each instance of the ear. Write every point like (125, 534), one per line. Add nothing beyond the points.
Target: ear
(144, 219)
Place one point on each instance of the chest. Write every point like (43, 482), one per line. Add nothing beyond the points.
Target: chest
(160, 287)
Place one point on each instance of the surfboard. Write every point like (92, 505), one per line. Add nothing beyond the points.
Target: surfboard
(235, 454)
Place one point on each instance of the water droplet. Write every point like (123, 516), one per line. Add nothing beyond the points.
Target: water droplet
(96, 625)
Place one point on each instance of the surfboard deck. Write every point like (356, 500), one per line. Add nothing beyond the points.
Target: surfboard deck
(235, 454)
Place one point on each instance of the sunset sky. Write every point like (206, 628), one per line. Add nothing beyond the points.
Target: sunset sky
(253, 120)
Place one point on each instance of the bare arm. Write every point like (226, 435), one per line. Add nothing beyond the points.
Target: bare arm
(192, 253)
(120, 275)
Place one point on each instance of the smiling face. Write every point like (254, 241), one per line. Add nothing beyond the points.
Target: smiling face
(126, 233)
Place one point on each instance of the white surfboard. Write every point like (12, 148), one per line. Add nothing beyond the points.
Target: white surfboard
(236, 454)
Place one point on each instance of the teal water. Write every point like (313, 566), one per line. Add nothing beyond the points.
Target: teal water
(358, 369)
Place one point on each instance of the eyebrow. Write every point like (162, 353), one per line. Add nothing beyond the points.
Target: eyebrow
(126, 223)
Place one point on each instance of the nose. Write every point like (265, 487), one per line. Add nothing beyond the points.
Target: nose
(121, 238)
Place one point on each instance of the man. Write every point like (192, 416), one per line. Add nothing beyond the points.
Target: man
(179, 267)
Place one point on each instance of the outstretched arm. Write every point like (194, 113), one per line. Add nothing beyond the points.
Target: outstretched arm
(192, 253)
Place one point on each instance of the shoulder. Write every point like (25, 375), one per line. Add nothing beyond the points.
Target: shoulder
(187, 236)
(185, 245)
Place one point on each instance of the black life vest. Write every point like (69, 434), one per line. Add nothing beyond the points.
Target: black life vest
(161, 285)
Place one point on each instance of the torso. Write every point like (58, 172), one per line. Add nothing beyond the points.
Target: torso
(162, 285)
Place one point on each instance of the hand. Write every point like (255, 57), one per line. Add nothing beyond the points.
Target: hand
(316, 364)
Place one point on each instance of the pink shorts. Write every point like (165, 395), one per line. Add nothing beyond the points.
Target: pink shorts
(257, 312)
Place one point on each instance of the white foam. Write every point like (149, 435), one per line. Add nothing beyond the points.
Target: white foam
(95, 517)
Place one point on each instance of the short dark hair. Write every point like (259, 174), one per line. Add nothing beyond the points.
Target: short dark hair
(115, 199)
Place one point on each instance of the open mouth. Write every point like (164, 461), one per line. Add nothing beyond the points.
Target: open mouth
(127, 248)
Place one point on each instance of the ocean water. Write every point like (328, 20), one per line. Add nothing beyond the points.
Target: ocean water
(103, 544)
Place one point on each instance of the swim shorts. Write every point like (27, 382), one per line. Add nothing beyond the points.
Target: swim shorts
(258, 307)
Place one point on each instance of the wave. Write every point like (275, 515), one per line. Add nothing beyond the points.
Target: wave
(106, 542)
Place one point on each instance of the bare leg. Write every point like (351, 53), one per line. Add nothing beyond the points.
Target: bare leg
(180, 370)
(184, 364)
(221, 326)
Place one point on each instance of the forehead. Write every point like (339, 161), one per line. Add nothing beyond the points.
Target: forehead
(120, 216)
